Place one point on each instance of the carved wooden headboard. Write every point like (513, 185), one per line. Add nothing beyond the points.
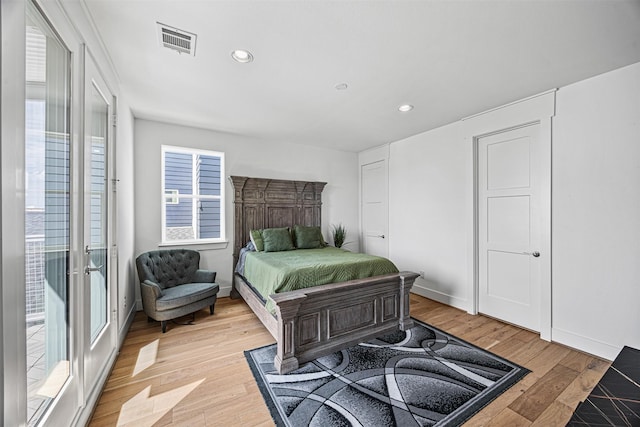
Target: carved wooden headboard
(266, 203)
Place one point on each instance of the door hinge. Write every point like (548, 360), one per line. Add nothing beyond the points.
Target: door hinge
(114, 120)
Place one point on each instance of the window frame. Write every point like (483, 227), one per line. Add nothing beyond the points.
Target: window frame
(164, 196)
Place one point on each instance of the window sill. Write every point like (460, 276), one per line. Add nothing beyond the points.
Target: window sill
(201, 246)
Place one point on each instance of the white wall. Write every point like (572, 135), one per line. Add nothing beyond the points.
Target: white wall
(595, 213)
(244, 156)
(428, 174)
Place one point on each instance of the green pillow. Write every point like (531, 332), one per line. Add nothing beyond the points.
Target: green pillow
(308, 237)
(277, 239)
(256, 239)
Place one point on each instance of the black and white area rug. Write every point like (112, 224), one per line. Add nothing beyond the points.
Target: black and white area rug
(421, 377)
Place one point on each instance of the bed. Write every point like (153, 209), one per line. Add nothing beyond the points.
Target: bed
(312, 322)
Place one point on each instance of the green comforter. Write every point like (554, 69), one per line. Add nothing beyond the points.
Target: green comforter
(273, 272)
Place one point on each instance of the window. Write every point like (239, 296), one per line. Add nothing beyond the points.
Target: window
(192, 196)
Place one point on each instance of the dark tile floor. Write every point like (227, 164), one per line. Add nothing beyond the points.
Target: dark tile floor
(615, 401)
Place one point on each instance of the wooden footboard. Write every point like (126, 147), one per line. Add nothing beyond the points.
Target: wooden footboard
(317, 321)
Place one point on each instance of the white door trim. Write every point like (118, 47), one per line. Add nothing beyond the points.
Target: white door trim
(541, 109)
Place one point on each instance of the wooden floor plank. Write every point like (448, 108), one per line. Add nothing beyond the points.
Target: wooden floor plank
(507, 417)
(492, 411)
(211, 351)
(584, 383)
(533, 402)
(556, 415)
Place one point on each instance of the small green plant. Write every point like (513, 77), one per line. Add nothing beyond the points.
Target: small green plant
(339, 234)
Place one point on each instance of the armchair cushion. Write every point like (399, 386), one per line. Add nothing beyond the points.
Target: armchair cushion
(186, 294)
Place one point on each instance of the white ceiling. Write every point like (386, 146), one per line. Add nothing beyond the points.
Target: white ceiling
(450, 59)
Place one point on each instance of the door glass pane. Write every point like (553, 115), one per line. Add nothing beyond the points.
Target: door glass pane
(47, 218)
(97, 269)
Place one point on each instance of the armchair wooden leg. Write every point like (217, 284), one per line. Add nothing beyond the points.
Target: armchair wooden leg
(211, 309)
(163, 323)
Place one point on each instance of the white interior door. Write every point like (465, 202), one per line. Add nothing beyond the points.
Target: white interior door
(375, 211)
(509, 235)
(99, 292)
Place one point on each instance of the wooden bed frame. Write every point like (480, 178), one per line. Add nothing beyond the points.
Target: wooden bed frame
(316, 321)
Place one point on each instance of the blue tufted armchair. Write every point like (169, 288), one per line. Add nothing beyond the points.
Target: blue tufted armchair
(172, 284)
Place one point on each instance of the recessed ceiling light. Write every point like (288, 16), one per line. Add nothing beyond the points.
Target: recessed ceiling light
(242, 56)
(404, 108)
(341, 86)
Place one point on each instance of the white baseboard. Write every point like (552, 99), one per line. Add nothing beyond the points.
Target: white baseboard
(586, 344)
(122, 333)
(571, 339)
(441, 297)
(225, 291)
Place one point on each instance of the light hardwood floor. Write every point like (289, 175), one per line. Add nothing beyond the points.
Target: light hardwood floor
(197, 375)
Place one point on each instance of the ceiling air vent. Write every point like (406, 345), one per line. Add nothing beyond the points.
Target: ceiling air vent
(176, 39)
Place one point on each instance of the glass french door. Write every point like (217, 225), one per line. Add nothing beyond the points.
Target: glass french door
(70, 299)
(51, 377)
(100, 335)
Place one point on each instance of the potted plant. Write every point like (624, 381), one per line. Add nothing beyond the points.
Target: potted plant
(339, 234)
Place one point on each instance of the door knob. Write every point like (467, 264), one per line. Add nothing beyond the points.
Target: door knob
(536, 254)
(381, 236)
